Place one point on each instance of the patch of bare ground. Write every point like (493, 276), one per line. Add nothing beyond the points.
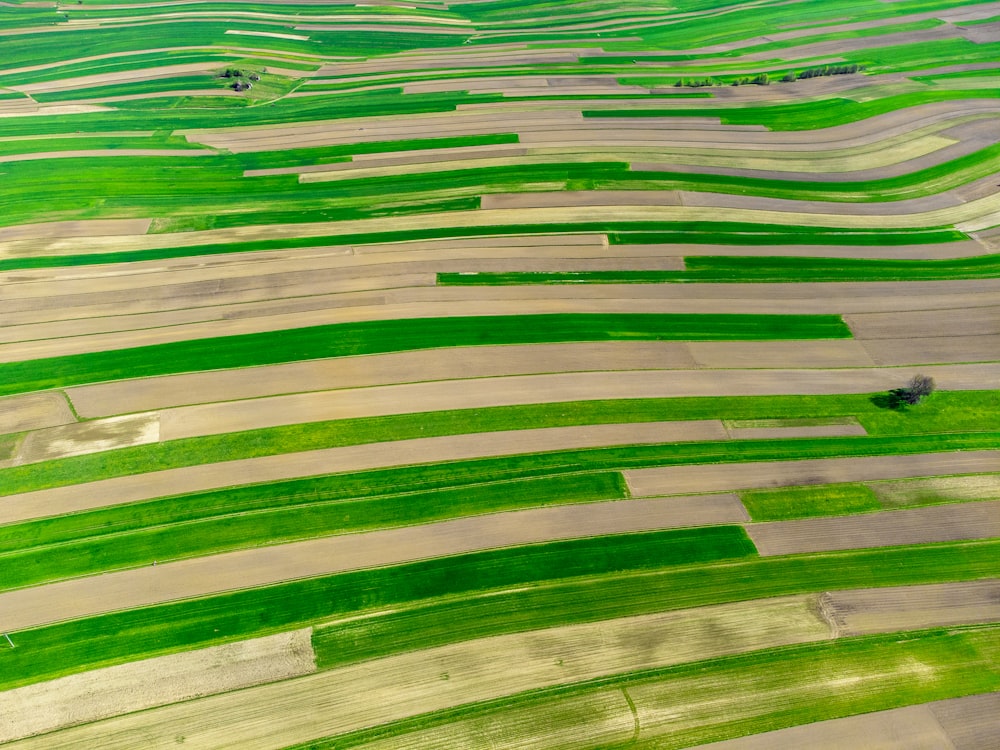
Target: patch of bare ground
(759, 475)
(247, 568)
(75, 229)
(956, 348)
(33, 411)
(980, 321)
(395, 687)
(972, 723)
(137, 686)
(96, 436)
(942, 523)
(885, 610)
(938, 490)
(101, 153)
(909, 728)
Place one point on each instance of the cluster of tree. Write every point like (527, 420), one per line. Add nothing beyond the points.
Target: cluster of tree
(761, 79)
(915, 391)
(826, 70)
(242, 78)
(695, 83)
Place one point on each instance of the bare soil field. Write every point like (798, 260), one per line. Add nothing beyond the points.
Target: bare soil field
(274, 716)
(910, 728)
(956, 348)
(80, 438)
(34, 411)
(941, 523)
(979, 321)
(247, 568)
(972, 723)
(938, 489)
(886, 610)
(372, 370)
(682, 480)
(112, 691)
(75, 229)
(481, 391)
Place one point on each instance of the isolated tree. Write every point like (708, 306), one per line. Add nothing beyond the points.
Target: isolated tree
(917, 389)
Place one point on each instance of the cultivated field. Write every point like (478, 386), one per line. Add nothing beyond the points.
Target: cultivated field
(506, 374)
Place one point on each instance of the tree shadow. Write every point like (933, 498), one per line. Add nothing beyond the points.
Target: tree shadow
(894, 400)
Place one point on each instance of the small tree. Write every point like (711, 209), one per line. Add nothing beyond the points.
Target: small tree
(917, 389)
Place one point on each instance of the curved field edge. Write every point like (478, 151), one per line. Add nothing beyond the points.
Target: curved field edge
(419, 605)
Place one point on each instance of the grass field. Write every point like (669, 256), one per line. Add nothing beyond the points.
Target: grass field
(420, 338)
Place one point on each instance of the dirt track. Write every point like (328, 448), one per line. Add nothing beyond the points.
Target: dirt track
(81, 597)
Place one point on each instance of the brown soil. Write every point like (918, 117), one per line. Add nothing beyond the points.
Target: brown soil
(886, 610)
(33, 411)
(81, 438)
(739, 476)
(942, 523)
(972, 723)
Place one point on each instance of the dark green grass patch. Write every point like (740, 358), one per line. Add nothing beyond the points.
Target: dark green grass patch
(50, 651)
(786, 503)
(373, 337)
(210, 522)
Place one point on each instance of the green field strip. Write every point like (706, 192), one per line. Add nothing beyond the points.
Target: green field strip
(761, 269)
(734, 696)
(130, 536)
(172, 627)
(932, 426)
(619, 233)
(371, 337)
(785, 503)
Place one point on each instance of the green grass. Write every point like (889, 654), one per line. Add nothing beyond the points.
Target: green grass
(730, 697)
(929, 425)
(373, 337)
(787, 503)
(206, 523)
